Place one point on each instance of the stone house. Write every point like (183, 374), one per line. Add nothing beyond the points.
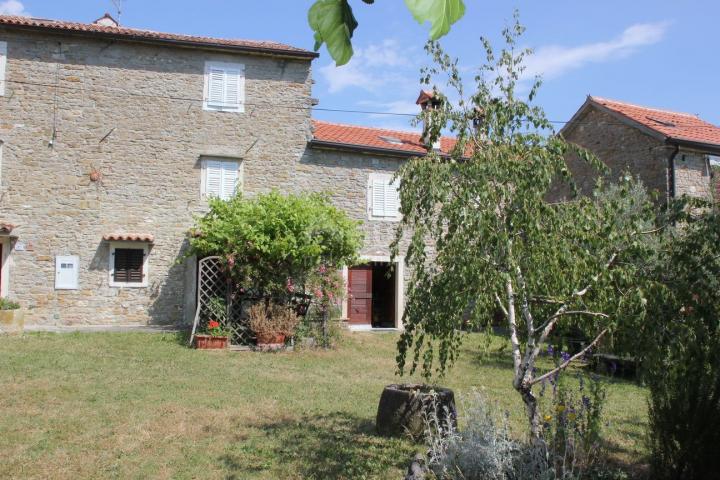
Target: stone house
(671, 152)
(113, 138)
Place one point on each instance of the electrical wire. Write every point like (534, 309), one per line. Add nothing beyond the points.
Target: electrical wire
(291, 107)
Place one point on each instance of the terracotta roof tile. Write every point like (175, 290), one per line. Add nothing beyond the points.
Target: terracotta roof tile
(129, 237)
(673, 125)
(6, 228)
(375, 138)
(149, 35)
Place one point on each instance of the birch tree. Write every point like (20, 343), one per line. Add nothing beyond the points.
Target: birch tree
(486, 238)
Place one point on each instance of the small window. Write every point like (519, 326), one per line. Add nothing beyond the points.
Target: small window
(220, 178)
(3, 64)
(66, 272)
(128, 264)
(224, 87)
(383, 197)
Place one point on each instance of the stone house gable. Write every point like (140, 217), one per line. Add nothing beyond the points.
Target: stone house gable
(669, 151)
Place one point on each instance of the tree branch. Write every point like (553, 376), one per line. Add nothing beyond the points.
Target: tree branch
(574, 312)
(577, 294)
(502, 307)
(563, 365)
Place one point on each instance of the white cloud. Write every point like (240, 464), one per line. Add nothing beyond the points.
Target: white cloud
(553, 61)
(13, 7)
(370, 68)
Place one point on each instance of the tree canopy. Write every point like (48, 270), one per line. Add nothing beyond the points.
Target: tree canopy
(486, 236)
(334, 23)
(272, 242)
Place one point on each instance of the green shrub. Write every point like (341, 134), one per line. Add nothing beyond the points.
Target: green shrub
(274, 243)
(6, 304)
(678, 342)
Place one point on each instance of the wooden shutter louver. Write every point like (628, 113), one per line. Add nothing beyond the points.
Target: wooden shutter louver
(225, 86)
(378, 198)
(229, 179)
(385, 198)
(216, 87)
(213, 178)
(129, 265)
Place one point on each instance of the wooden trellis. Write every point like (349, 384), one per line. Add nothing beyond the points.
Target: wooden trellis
(213, 282)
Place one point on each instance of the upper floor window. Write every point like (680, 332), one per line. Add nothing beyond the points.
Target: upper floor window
(3, 63)
(224, 87)
(383, 197)
(220, 178)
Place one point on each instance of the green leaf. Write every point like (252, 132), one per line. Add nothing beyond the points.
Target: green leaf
(333, 23)
(440, 13)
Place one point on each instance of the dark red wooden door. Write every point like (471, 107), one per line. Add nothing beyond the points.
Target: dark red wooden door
(360, 295)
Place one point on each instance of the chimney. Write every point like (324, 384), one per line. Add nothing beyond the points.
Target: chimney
(428, 102)
(107, 21)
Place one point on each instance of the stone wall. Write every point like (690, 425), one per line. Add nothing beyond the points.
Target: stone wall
(626, 149)
(344, 177)
(692, 175)
(621, 148)
(132, 112)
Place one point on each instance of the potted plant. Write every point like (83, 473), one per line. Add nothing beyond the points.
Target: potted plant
(214, 335)
(272, 324)
(12, 318)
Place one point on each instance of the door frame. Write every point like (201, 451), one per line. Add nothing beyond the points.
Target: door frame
(5, 263)
(399, 285)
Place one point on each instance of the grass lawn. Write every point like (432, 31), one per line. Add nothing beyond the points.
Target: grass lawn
(137, 405)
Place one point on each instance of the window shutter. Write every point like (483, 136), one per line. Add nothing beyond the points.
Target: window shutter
(225, 89)
(213, 178)
(129, 265)
(392, 200)
(378, 198)
(233, 88)
(3, 62)
(216, 87)
(229, 179)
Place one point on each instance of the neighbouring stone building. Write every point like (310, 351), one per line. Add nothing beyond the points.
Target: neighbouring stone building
(112, 139)
(671, 152)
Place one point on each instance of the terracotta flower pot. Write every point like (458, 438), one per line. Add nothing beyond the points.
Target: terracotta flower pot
(210, 342)
(270, 340)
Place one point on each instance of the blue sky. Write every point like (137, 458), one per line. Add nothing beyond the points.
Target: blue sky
(660, 53)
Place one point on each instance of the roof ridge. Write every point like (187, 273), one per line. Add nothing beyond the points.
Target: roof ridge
(660, 110)
(364, 127)
(71, 25)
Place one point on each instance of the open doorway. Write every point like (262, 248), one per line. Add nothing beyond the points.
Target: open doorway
(372, 296)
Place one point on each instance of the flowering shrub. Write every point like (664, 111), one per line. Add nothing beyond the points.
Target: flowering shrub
(215, 329)
(272, 243)
(572, 422)
(218, 317)
(327, 289)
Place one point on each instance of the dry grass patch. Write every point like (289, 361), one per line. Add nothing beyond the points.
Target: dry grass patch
(136, 405)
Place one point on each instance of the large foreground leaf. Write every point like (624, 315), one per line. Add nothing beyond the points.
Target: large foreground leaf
(440, 13)
(333, 23)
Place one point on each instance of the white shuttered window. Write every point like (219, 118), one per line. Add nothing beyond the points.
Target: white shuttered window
(220, 178)
(383, 197)
(3, 63)
(224, 87)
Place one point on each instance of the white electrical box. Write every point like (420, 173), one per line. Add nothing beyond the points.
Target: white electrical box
(66, 272)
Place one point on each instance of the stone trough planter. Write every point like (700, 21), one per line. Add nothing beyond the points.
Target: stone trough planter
(403, 408)
(12, 322)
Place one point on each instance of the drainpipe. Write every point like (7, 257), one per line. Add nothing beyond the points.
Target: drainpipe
(671, 174)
